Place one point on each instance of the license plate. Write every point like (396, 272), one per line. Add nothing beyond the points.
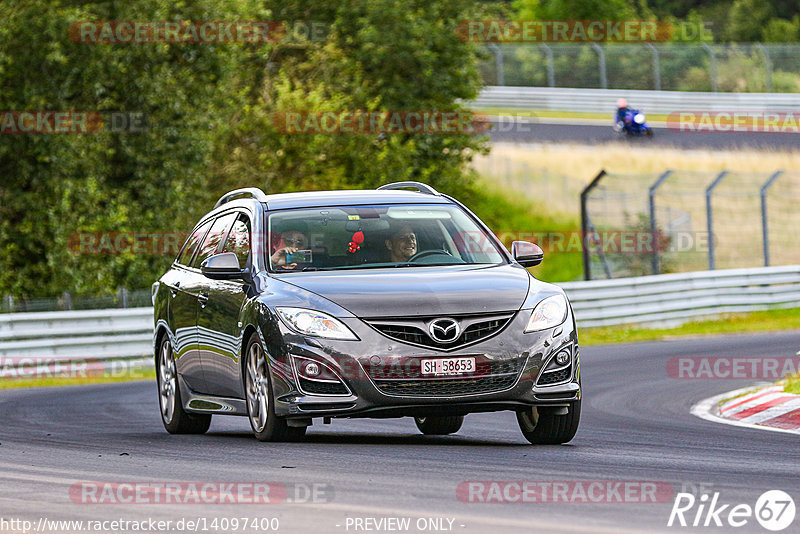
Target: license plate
(448, 366)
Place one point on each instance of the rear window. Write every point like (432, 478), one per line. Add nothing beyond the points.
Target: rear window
(185, 257)
(215, 236)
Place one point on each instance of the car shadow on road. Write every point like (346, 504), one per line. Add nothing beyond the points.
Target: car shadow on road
(353, 438)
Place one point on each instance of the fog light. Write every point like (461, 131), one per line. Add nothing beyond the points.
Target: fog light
(562, 358)
(311, 369)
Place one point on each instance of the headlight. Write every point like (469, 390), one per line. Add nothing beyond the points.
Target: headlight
(639, 118)
(315, 323)
(550, 312)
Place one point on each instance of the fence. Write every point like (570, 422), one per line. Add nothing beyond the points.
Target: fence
(757, 67)
(123, 298)
(695, 221)
(127, 333)
(652, 102)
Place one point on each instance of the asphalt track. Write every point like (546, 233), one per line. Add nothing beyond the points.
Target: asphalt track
(556, 131)
(636, 426)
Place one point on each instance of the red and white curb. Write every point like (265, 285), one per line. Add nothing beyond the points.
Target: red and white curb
(766, 408)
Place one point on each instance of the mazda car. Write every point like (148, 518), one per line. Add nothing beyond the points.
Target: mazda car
(395, 302)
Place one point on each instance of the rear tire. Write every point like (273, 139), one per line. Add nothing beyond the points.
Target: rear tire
(439, 425)
(260, 400)
(176, 420)
(541, 425)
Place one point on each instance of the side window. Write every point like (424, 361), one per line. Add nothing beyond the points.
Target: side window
(192, 243)
(238, 240)
(211, 243)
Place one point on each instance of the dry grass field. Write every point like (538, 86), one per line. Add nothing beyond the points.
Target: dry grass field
(553, 175)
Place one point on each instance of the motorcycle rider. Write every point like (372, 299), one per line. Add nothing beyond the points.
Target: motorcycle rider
(622, 112)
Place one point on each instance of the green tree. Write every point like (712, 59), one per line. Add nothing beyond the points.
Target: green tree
(579, 9)
(782, 30)
(56, 186)
(210, 112)
(747, 19)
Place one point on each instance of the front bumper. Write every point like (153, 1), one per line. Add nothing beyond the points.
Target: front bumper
(381, 375)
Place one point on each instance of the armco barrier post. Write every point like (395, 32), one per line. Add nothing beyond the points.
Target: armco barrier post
(587, 269)
(651, 198)
(709, 221)
(764, 227)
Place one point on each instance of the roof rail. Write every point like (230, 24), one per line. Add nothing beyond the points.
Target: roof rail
(247, 192)
(419, 186)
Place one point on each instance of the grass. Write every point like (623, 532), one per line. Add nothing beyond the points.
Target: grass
(792, 385)
(12, 383)
(526, 169)
(734, 323)
(514, 218)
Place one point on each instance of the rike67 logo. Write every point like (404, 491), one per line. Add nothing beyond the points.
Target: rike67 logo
(774, 510)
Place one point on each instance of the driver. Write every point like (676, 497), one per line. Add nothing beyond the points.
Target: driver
(402, 244)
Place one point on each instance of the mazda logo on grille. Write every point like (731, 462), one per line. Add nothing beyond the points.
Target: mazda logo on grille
(444, 330)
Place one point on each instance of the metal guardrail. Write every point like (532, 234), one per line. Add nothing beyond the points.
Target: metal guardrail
(604, 100)
(676, 298)
(667, 298)
(76, 335)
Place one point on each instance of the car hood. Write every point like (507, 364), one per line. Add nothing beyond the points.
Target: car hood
(420, 291)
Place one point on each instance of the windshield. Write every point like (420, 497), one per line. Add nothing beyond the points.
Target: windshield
(364, 237)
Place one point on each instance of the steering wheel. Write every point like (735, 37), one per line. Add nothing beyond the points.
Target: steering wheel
(426, 253)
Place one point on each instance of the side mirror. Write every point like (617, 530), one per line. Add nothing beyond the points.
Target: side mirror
(527, 254)
(223, 266)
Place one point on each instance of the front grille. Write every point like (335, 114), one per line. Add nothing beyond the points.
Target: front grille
(489, 377)
(554, 377)
(409, 334)
(484, 329)
(322, 388)
(415, 330)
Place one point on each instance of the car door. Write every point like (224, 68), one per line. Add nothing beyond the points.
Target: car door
(218, 320)
(184, 289)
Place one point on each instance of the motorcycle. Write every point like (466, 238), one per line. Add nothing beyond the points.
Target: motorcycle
(633, 124)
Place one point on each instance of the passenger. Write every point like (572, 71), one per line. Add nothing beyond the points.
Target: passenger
(292, 239)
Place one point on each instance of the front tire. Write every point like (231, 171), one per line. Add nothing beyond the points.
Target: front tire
(543, 426)
(260, 400)
(439, 425)
(176, 420)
